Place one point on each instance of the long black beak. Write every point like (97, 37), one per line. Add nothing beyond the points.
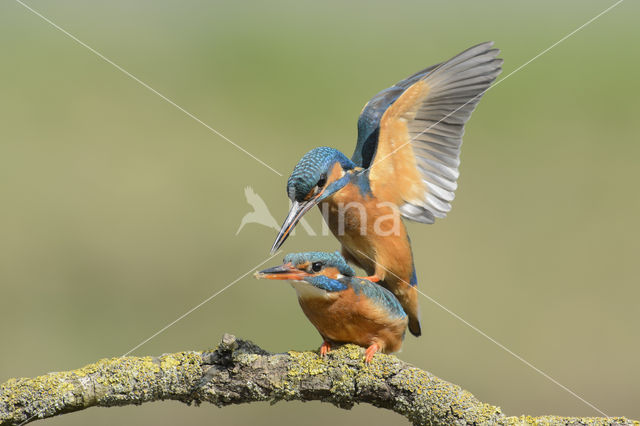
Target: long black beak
(298, 209)
(282, 272)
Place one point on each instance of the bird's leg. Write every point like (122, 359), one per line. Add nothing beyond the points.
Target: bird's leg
(326, 347)
(352, 259)
(373, 278)
(371, 350)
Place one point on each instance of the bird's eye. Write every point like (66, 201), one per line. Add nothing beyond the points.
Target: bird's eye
(322, 182)
(316, 267)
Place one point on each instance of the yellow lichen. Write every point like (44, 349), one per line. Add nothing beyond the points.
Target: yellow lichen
(134, 380)
(306, 363)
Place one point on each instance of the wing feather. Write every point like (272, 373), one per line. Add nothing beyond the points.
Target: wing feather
(413, 146)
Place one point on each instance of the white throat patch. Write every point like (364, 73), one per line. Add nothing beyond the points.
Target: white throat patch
(308, 291)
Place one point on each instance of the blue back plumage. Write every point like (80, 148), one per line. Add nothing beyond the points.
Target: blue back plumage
(311, 167)
(369, 120)
(379, 296)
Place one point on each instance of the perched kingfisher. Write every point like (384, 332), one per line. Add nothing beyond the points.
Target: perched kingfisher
(405, 165)
(343, 307)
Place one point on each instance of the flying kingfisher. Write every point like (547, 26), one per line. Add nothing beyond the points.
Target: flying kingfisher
(343, 308)
(405, 165)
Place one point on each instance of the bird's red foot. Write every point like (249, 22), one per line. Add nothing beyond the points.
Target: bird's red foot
(326, 347)
(372, 278)
(371, 350)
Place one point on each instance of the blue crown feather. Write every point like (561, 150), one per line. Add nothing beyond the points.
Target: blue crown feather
(311, 167)
(334, 259)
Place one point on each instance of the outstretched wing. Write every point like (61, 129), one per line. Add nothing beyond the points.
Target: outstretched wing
(369, 120)
(410, 135)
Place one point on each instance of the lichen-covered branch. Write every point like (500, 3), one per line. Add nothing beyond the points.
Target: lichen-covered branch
(240, 372)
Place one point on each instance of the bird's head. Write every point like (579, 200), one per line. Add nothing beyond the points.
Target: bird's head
(319, 174)
(320, 269)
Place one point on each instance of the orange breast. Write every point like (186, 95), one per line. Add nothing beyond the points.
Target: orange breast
(369, 229)
(352, 318)
(374, 237)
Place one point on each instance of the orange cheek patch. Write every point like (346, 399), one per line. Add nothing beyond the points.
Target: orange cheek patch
(331, 272)
(303, 266)
(335, 174)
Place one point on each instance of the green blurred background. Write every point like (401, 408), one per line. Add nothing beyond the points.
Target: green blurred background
(119, 213)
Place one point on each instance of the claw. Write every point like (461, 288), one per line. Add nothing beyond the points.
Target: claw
(326, 347)
(371, 350)
(372, 278)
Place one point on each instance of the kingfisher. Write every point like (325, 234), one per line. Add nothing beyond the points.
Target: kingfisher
(405, 165)
(343, 308)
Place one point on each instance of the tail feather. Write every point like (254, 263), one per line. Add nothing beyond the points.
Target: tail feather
(414, 326)
(408, 297)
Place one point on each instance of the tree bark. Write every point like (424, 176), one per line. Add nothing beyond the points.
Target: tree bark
(238, 371)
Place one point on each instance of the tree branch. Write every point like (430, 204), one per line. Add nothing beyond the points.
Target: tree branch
(238, 371)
